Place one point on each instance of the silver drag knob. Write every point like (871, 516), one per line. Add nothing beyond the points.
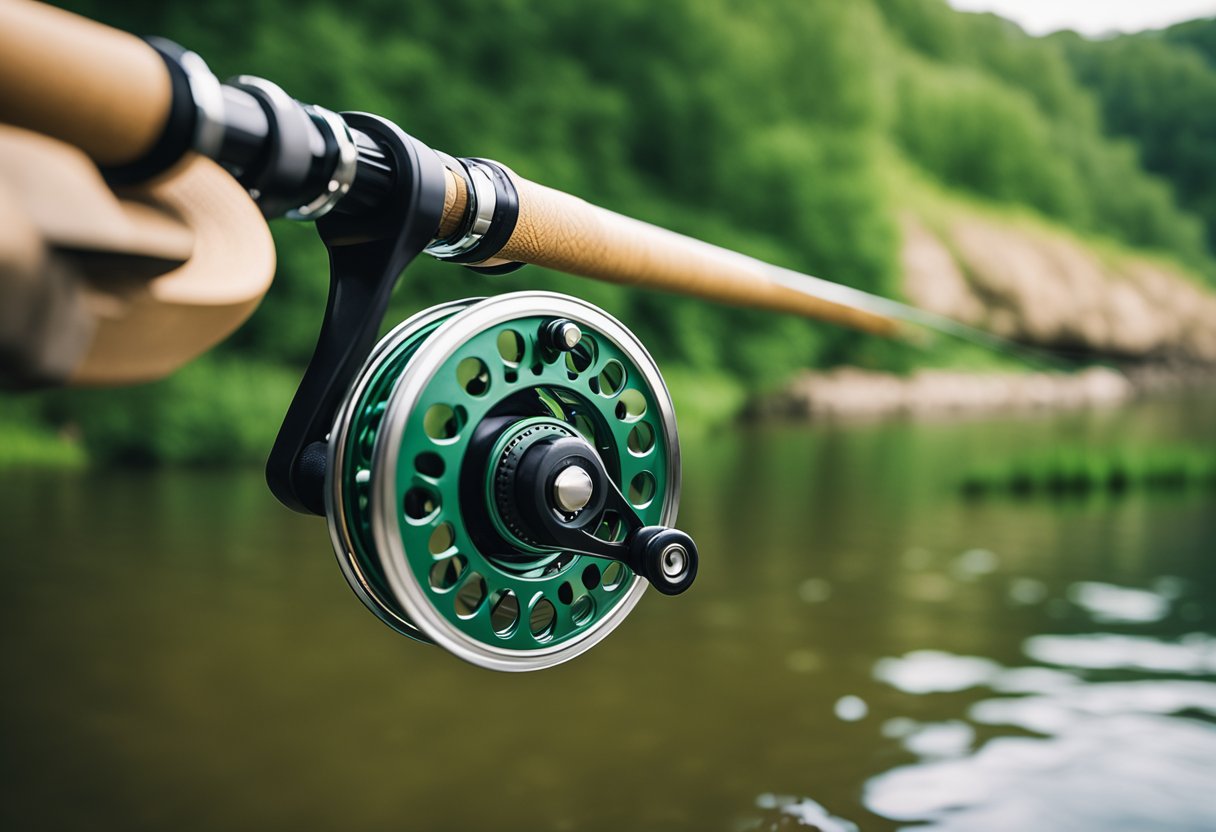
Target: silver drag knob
(572, 489)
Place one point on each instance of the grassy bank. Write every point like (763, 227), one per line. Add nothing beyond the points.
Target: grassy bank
(1081, 471)
(25, 443)
(216, 411)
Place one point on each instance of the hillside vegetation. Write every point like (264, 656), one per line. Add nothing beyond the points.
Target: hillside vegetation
(1159, 89)
(782, 128)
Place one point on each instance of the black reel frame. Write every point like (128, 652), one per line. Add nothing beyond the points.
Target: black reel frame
(368, 252)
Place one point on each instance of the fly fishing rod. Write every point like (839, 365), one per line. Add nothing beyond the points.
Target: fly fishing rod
(500, 476)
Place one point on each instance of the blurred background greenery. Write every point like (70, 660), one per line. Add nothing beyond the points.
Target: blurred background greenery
(794, 131)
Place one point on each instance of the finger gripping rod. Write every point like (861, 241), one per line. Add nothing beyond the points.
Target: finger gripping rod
(137, 107)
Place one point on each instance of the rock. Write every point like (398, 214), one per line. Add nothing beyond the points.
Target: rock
(933, 280)
(849, 392)
(1043, 287)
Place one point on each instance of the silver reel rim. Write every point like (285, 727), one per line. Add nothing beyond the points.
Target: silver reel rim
(335, 512)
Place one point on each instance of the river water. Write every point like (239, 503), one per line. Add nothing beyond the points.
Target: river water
(863, 648)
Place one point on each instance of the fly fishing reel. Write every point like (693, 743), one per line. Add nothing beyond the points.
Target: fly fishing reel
(500, 476)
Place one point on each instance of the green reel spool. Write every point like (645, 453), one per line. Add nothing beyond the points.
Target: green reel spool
(502, 478)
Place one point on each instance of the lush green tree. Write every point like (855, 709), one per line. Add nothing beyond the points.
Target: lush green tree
(1199, 35)
(1159, 89)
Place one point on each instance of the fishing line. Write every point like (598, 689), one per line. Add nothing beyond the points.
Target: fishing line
(852, 298)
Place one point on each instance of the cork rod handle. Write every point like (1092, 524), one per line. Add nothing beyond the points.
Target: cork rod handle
(102, 90)
(562, 232)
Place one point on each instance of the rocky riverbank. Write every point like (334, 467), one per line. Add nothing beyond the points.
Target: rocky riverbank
(848, 392)
(1040, 285)
(1037, 285)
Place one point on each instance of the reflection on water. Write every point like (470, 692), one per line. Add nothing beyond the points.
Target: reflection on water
(1193, 653)
(780, 812)
(1133, 753)
(929, 740)
(862, 650)
(1108, 604)
(1110, 754)
(1123, 772)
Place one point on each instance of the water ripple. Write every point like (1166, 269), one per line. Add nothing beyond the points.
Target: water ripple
(780, 812)
(1110, 604)
(1194, 653)
(1111, 755)
(1129, 772)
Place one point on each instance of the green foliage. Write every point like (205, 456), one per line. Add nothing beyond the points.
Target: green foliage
(766, 127)
(1069, 470)
(1199, 35)
(27, 441)
(1159, 89)
(974, 132)
(215, 411)
(994, 46)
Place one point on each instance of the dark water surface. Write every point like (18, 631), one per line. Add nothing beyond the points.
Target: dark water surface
(180, 652)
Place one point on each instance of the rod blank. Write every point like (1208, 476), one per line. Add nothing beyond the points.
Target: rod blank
(562, 232)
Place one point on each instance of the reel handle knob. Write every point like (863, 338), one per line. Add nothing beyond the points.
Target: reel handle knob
(666, 557)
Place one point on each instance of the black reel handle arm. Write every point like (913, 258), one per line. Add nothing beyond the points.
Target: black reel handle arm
(664, 556)
(551, 481)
